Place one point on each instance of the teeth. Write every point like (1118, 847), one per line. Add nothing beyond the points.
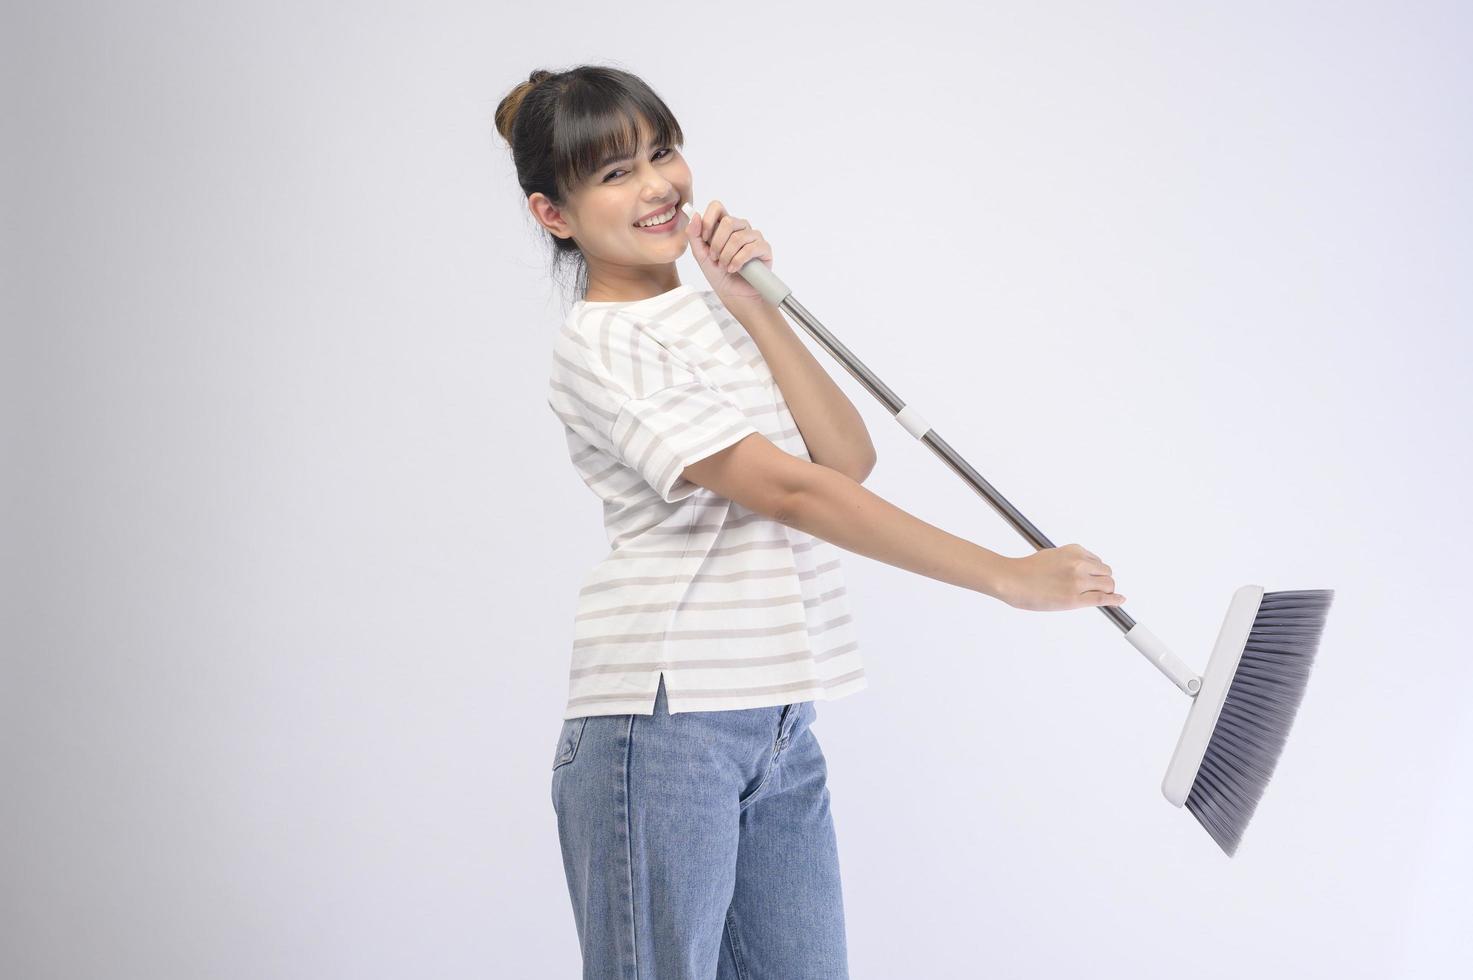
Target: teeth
(658, 220)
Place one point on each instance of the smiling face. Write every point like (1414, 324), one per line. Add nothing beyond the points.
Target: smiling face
(602, 215)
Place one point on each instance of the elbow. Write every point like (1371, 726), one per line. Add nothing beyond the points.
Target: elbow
(792, 503)
(859, 472)
(786, 510)
(811, 490)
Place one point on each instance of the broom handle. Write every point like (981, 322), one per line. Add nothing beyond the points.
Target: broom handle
(776, 292)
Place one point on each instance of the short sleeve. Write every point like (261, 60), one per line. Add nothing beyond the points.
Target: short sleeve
(641, 402)
(663, 433)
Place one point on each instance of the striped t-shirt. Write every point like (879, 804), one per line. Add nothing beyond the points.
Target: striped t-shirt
(737, 610)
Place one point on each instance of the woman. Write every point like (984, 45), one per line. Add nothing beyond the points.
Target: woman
(690, 791)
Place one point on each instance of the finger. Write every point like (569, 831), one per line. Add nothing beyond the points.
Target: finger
(745, 254)
(721, 233)
(734, 241)
(729, 225)
(1110, 599)
(737, 241)
(760, 250)
(714, 212)
(694, 232)
(719, 243)
(707, 237)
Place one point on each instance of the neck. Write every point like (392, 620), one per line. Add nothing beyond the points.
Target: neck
(627, 284)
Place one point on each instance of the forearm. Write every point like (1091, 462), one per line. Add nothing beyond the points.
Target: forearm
(831, 506)
(830, 424)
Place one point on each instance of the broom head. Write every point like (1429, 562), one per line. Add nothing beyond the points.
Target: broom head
(1241, 716)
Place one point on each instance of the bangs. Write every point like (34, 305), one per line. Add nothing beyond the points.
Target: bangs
(600, 124)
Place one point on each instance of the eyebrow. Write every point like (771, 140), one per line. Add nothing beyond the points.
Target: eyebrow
(615, 158)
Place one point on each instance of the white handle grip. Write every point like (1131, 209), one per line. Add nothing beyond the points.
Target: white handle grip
(756, 272)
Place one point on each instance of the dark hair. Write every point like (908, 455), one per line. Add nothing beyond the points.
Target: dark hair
(561, 126)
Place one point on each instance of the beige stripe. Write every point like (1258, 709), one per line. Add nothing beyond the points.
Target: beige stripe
(579, 457)
(574, 368)
(833, 624)
(632, 580)
(683, 530)
(694, 529)
(849, 647)
(629, 510)
(740, 385)
(754, 602)
(674, 665)
(831, 594)
(763, 408)
(632, 503)
(608, 639)
(636, 368)
(587, 417)
(745, 573)
(624, 524)
(705, 356)
(613, 469)
(744, 603)
(618, 482)
(571, 421)
(827, 566)
(712, 553)
(737, 663)
(579, 397)
(737, 576)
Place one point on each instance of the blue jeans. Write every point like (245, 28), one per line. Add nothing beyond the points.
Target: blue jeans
(700, 845)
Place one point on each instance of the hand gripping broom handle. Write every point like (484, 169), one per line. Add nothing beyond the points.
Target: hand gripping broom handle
(776, 292)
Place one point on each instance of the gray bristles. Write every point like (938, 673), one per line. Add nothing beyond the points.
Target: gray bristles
(1258, 712)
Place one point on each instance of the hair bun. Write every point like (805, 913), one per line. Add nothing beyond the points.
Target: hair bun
(506, 111)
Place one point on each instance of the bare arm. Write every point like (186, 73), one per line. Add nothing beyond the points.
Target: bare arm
(834, 507)
(829, 505)
(830, 424)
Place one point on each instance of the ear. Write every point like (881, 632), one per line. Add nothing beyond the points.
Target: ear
(548, 215)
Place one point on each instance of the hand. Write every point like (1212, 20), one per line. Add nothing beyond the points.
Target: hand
(722, 244)
(1061, 578)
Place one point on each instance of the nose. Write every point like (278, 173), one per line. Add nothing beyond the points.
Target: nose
(657, 186)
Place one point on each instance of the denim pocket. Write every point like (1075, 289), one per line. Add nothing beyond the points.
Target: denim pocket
(568, 739)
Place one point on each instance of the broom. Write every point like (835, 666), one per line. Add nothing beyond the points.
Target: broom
(1243, 704)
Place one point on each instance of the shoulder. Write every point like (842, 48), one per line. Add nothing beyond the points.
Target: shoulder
(615, 339)
(616, 352)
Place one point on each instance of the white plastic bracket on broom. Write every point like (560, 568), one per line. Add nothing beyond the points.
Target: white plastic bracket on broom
(912, 421)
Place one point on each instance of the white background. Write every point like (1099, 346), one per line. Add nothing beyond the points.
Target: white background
(292, 545)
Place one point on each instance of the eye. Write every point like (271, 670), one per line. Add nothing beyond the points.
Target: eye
(664, 149)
